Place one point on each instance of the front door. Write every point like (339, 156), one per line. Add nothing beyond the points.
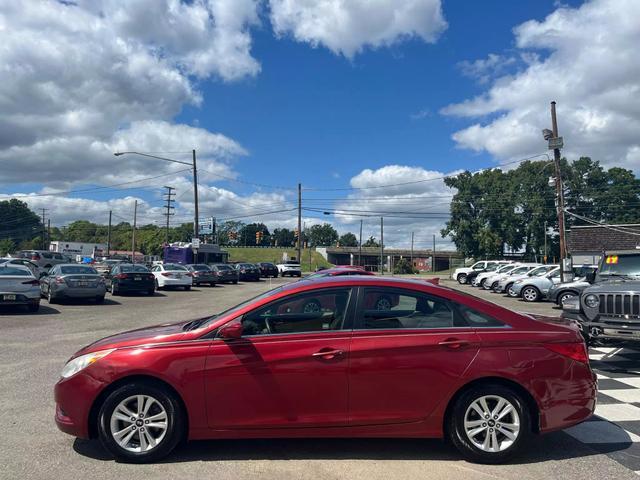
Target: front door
(408, 351)
(290, 367)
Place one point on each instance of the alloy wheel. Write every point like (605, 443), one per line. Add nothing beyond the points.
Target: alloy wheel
(492, 423)
(511, 292)
(139, 423)
(530, 294)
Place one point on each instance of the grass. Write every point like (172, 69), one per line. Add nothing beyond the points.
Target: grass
(274, 255)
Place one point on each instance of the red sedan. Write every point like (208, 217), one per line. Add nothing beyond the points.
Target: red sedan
(433, 363)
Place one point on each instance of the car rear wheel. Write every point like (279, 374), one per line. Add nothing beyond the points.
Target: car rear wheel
(187, 287)
(235, 282)
(157, 284)
(140, 423)
(462, 279)
(151, 292)
(100, 299)
(51, 298)
(33, 307)
(114, 289)
(489, 423)
(530, 294)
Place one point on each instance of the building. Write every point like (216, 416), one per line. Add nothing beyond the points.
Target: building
(586, 243)
(370, 257)
(82, 249)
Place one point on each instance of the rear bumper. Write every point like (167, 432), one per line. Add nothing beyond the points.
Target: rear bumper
(134, 286)
(77, 292)
(175, 282)
(23, 298)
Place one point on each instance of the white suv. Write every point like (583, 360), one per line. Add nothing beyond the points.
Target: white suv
(289, 268)
(462, 274)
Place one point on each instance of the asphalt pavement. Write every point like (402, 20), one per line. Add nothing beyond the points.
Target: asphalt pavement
(34, 348)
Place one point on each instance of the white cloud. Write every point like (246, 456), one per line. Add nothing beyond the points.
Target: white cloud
(590, 68)
(347, 26)
(484, 69)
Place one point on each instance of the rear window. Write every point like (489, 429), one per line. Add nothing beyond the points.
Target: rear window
(223, 267)
(73, 270)
(200, 268)
(133, 268)
(6, 271)
(173, 266)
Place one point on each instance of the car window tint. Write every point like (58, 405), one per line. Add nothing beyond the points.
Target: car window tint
(133, 268)
(478, 319)
(389, 309)
(12, 271)
(173, 266)
(308, 312)
(71, 270)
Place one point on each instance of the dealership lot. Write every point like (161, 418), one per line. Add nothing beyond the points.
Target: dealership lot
(34, 347)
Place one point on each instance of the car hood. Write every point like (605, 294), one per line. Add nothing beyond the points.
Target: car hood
(165, 333)
(577, 283)
(619, 285)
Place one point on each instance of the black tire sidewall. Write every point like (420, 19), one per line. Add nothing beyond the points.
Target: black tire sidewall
(458, 436)
(175, 429)
(462, 279)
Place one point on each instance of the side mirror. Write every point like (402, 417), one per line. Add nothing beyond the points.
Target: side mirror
(590, 277)
(231, 331)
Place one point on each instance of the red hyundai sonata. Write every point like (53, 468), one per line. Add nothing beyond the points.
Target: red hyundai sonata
(432, 363)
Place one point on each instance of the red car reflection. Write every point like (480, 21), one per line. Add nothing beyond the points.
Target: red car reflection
(431, 363)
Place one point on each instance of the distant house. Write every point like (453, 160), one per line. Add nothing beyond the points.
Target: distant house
(586, 243)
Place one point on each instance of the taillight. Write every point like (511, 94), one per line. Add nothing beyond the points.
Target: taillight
(31, 282)
(60, 280)
(575, 351)
(166, 274)
(35, 257)
(120, 276)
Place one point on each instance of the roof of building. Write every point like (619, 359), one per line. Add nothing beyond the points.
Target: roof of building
(596, 238)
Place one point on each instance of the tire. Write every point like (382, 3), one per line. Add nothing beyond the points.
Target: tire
(114, 289)
(33, 307)
(510, 291)
(563, 296)
(157, 284)
(100, 299)
(493, 287)
(212, 284)
(483, 447)
(235, 282)
(482, 282)
(151, 292)
(51, 298)
(530, 294)
(187, 287)
(168, 434)
(462, 279)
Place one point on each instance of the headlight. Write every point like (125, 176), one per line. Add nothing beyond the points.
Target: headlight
(591, 301)
(83, 361)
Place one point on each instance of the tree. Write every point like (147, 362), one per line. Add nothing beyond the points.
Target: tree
(403, 266)
(17, 222)
(247, 234)
(227, 230)
(322, 235)
(371, 242)
(283, 237)
(348, 240)
(6, 246)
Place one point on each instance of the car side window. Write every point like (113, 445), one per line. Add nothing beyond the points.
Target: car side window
(479, 266)
(478, 319)
(315, 311)
(393, 309)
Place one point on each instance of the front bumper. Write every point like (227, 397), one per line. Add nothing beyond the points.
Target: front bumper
(74, 397)
(605, 328)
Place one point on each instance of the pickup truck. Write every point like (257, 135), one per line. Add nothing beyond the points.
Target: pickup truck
(289, 268)
(608, 311)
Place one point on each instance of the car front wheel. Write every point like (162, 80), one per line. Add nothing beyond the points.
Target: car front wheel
(510, 291)
(140, 423)
(489, 424)
(462, 279)
(530, 294)
(564, 296)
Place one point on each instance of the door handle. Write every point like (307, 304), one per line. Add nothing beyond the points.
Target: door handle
(454, 343)
(328, 354)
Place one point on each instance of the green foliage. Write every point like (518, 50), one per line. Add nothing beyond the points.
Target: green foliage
(371, 242)
(283, 237)
(494, 211)
(310, 258)
(322, 235)
(17, 222)
(7, 246)
(403, 266)
(348, 240)
(247, 235)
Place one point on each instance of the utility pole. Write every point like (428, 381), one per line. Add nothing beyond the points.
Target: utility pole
(433, 254)
(360, 246)
(557, 143)
(133, 233)
(109, 236)
(195, 196)
(299, 222)
(43, 228)
(411, 251)
(545, 242)
(381, 245)
(169, 199)
(48, 232)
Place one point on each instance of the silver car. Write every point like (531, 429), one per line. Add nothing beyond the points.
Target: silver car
(493, 283)
(18, 286)
(481, 278)
(43, 258)
(73, 281)
(505, 284)
(24, 262)
(535, 288)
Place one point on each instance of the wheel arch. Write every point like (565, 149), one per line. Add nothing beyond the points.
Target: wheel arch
(149, 380)
(568, 290)
(530, 403)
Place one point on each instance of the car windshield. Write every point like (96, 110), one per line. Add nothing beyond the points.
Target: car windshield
(174, 266)
(620, 265)
(6, 271)
(506, 268)
(539, 271)
(133, 268)
(77, 269)
(223, 267)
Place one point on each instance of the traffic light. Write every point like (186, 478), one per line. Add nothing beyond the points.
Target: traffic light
(258, 237)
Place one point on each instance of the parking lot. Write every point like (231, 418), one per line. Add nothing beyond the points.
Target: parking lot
(34, 347)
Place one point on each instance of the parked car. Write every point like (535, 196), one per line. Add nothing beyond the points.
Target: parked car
(24, 262)
(19, 286)
(560, 292)
(172, 275)
(506, 283)
(482, 277)
(462, 274)
(128, 277)
(471, 276)
(201, 274)
(533, 289)
(225, 273)
(608, 311)
(248, 271)
(268, 269)
(104, 266)
(338, 271)
(333, 372)
(290, 268)
(43, 258)
(71, 280)
(492, 282)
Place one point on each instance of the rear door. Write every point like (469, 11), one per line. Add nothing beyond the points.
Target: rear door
(408, 351)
